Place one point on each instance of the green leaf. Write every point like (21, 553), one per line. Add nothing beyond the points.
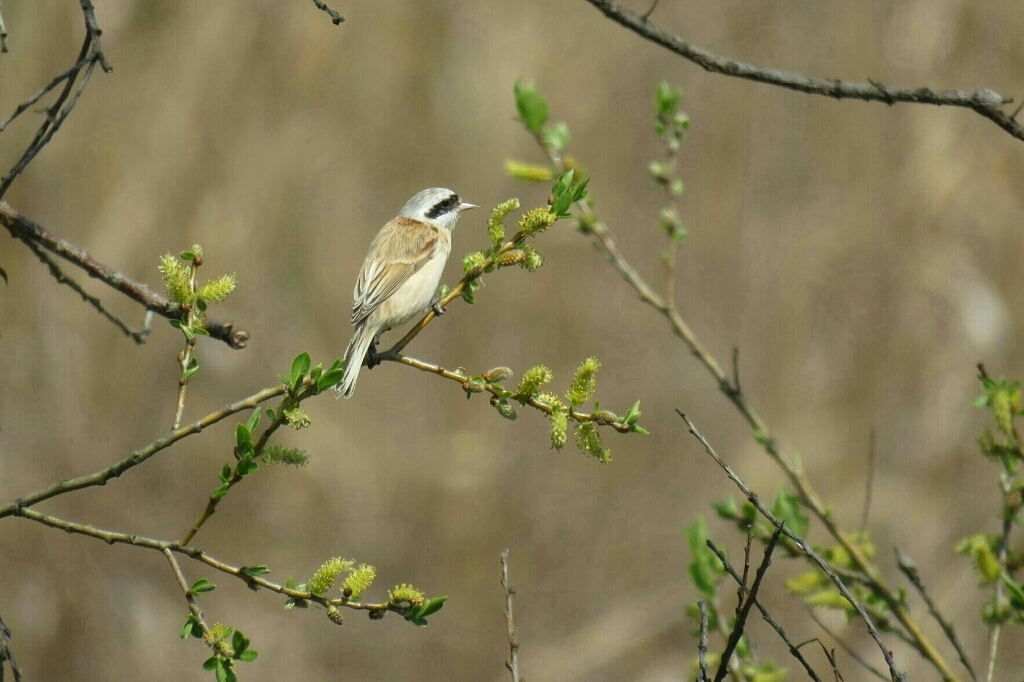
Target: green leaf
(243, 436)
(201, 586)
(299, 368)
(432, 606)
(329, 379)
(726, 508)
(286, 381)
(254, 421)
(1016, 592)
(248, 656)
(787, 508)
(222, 671)
(190, 623)
(188, 374)
(666, 99)
(533, 110)
(239, 643)
(200, 331)
(557, 136)
(706, 570)
(201, 304)
(641, 430)
(221, 491)
(187, 255)
(210, 663)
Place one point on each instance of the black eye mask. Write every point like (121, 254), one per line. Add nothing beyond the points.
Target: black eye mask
(443, 206)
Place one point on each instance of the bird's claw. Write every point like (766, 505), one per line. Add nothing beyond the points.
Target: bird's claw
(372, 356)
(435, 305)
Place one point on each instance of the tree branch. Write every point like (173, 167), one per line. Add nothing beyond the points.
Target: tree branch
(139, 456)
(513, 638)
(336, 18)
(984, 102)
(28, 231)
(894, 672)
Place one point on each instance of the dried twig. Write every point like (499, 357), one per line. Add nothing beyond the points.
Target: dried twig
(909, 569)
(984, 102)
(793, 649)
(513, 637)
(894, 672)
(336, 18)
(845, 647)
(702, 643)
(6, 653)
(26, 230)
(63, 278)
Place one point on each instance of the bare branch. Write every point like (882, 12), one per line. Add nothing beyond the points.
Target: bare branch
(845, 647)
(28, 231)
(6, 654)
(909, 569)
(702, 643)
(141, 455)
(793, 649)
(513, 637)
(5, 50)
(984, 102)
(336, 18)
(894, 672)
(62, 278)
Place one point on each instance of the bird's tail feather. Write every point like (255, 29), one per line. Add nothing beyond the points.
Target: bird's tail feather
(354, 359)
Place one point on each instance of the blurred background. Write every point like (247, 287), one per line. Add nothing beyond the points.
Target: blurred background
(863, 258)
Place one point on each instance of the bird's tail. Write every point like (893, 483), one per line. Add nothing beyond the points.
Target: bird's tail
(354, 359)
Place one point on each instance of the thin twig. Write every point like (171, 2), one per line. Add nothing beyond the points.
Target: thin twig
(744, 611)
(336, 18)
(869, 483)
(909, 569)
(984, 102)
(7, 654)
(845, 647)
(702, 643)
(26, 230)
(93, 29)
(605, 244)
(793, 649)
(63, 278)
(239, 572)
(894, 672)
(4, 49)
(513, 637)
(650, 11)
(24, 106)
(141, 455)
(185, 356)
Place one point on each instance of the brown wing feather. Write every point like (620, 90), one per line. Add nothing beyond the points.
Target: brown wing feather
(405, 245)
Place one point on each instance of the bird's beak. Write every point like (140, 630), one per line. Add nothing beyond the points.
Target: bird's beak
(463, 206)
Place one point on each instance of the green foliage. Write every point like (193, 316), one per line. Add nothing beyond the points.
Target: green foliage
(533, 380)
(532, 260)
(532, 108)
(274, 453)
(536, 220)
(324, 577)
(496, 223)
(559, 426)
(358, 581)
(588, 440)
(706, 571)
(405, 593)
(527, 172)
(568, 190)
(418, 614)
(176, 279)
(217, 290)
(583, 382)
(226, 653)
(983, 552)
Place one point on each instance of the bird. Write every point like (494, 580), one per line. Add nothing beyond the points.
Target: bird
(401, 273)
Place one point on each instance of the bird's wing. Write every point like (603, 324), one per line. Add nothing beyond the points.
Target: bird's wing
(399, 250)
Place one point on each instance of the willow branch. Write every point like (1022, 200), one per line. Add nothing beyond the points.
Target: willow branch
(197, 554)
(63, 278)
(603, 242)
(984, 102)
(141, 455)
(26, 230)
(894, 672)
(513, 638)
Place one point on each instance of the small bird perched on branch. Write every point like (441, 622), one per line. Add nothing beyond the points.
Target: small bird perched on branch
(401, 273)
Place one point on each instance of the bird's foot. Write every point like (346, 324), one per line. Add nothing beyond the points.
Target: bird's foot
(435, 305)
(372, 356)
